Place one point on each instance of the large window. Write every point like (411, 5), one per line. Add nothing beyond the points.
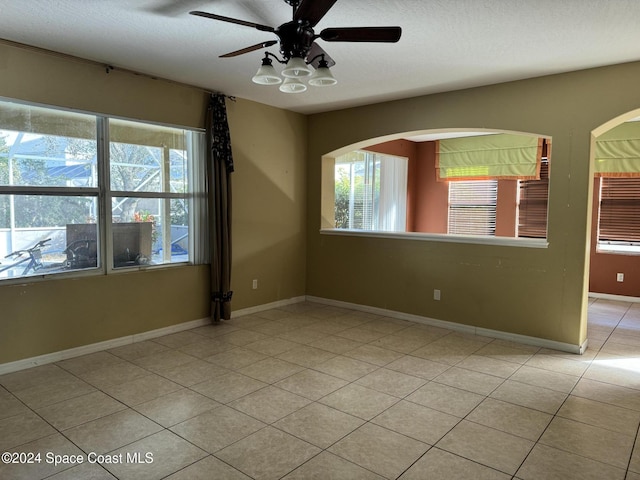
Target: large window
(371, 192)
(149, 168)
(85, 193)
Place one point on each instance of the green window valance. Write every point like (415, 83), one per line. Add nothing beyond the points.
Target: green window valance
(500, 156)
(618, 151)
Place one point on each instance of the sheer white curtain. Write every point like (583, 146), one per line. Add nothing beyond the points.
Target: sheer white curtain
(198, 216)
(392, 207)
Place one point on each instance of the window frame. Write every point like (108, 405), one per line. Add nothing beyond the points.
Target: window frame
(374, 171)
(619, 196)
(487, 189)
(103, 195)
(110, 193)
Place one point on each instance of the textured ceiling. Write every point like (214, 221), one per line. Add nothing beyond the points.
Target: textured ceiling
(446, 44)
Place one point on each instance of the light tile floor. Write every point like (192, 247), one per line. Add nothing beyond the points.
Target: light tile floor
(315, 392)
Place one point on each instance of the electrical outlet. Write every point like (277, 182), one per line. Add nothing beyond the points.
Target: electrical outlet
(436, 294)
(620, 277)
(255, 284)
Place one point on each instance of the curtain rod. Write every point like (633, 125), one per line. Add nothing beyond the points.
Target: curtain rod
(108, 67)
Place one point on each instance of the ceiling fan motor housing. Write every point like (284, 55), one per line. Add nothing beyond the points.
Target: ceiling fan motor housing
(296, 38)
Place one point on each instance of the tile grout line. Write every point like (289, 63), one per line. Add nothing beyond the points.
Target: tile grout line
(555, 415)
(352, 382)
(378, 367)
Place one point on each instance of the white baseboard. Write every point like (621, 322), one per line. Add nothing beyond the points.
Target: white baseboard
(267, 306)
(98, 347)
(139, 337)
(513, 337)
(615, 298)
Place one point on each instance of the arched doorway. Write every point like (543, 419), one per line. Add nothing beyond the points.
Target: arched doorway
(615, 232)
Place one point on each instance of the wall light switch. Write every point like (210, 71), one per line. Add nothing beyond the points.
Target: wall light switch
(620, 277)
(436, 294)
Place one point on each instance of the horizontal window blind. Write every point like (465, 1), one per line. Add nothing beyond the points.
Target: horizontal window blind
(532, 208)
(619, 210)
(472, 207)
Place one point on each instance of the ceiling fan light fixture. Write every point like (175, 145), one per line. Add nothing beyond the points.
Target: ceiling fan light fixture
(292, 85)
(322, 77)
(296, 68)
(266, 74)
(297, 45)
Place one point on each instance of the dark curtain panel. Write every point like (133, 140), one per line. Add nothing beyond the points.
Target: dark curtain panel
(219, 169)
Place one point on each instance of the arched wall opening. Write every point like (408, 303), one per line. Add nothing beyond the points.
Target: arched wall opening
(614, 250)
(534, 292)
(505, 202)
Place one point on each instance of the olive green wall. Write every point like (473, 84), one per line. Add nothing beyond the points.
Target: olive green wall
(276, 211)
(528, 291)
(269, 203)
(269, 145)
(50, 316)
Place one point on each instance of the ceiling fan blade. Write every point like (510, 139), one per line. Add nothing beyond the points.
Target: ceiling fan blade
(313, 10)
(173, 8)
(263, 28)
(361, 34)
(314, 52)
(252, 48)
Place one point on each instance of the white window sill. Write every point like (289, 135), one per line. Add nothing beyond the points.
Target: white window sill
(435, 237)
(88, 272)
(618, 249)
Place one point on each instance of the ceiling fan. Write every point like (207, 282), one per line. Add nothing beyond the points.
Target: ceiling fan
(298, 45)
